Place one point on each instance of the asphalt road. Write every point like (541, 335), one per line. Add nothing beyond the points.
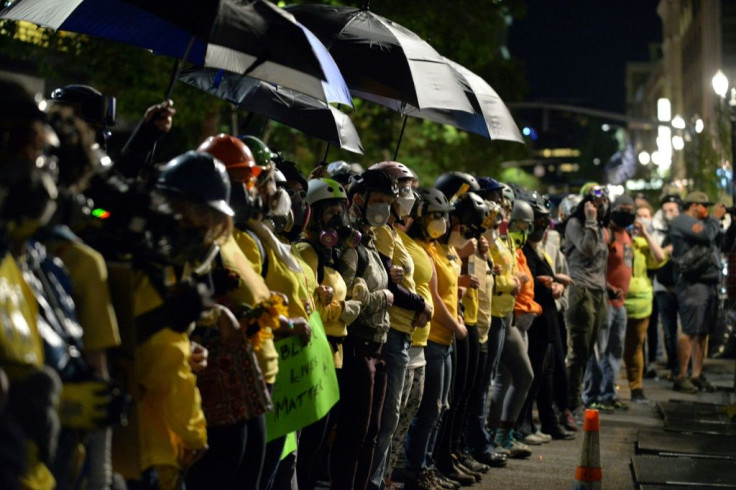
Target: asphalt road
(552, 465)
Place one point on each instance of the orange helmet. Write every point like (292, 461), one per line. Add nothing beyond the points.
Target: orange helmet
(238, 159)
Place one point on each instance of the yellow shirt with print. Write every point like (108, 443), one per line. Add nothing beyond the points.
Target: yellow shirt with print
(252, 291)
(330, 314)
(447, 265)
(390, 244)
(423, 271)
(21, 353)
(170, 408)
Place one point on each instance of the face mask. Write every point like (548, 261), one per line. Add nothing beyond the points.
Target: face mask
(537, 235)
(647, 223)
(436, 228)
(377, 213)
(457, 240)
(519, 238)
(279, 213)
(491, 235)
(503, 227)
(405, 202)
(623, 218)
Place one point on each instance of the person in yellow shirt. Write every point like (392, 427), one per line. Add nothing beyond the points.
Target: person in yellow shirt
(467, 217)
(429, 224)
(408, 312)
(172, 425)
(514, 374)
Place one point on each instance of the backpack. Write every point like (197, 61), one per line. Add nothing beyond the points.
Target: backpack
(695, 263)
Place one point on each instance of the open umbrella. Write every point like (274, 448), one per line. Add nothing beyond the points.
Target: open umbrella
(490, 117)
(288, 107)
(253, 37)
(381, 58)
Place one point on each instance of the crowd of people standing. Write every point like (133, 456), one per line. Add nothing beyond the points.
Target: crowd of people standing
(451, 309)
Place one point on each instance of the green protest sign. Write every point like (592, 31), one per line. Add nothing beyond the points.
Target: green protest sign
(306, 386)
(289, 444)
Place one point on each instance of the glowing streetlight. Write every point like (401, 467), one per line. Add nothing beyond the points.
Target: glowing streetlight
(678, 122)
(678, 143)
(699, 126)
(720, 84)
(664, 109)
(644, 158)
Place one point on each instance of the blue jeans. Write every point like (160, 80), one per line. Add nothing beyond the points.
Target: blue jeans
(667, 303)
(599, 382)
(478, 440)
(396, 355)
(423, 430)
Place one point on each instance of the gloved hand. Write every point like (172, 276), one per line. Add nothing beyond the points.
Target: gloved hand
(91, 404)
(187, 302)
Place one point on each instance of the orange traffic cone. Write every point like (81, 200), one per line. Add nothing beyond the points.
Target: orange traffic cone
(588, 473)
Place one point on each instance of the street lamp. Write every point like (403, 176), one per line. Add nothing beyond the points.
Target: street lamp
(720, 86)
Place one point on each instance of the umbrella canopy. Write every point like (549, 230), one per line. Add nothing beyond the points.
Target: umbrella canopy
(490, 118)
(253, 37)
(381, 58)
(288, 107)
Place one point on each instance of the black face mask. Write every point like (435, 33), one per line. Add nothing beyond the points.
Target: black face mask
(623, 218)
(537, 235)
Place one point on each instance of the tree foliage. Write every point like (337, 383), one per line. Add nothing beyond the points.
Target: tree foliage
(469, 32)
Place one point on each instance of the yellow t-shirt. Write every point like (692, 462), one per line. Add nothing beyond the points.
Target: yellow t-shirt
(253, 290)
(390, 244)
(330, 314)
(91, 294)
(423, 271)
(503, 301)
(250, 248)
(485, 295)
(447, 266)
(21, 352)
(295, 285)
(170, 408)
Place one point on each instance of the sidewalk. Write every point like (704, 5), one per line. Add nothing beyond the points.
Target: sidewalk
(552, 465)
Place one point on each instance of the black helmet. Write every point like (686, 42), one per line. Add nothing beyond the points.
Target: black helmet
(373, 181)
(197, 177)
(430, 201)
(470, 210)
(539, 203)
(454, 184)
(88, 103)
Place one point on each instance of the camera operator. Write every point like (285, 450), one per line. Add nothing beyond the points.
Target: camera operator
(695, 239)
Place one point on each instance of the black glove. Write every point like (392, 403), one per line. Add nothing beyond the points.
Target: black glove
(186, 303)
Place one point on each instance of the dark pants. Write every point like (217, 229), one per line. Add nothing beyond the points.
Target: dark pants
(667, 306)
(584, 318)
(234, 458)
(465, 365)
(539, 351)
(653, 334)
(560, 384)
(311, 441)
(477, 437)
(362, 382)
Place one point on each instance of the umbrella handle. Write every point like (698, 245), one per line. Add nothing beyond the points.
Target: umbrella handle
(401, 135)
(177, 69)
(327, 150)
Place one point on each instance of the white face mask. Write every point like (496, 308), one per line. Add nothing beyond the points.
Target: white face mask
(457, 240)
(647, 222)
(491, 234)
(436, 228)
(377, 213)
(405, 202)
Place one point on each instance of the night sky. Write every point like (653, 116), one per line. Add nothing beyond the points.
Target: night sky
(575, 51)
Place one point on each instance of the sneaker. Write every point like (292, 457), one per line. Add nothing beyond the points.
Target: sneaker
(545, 437)
(517, 450)
(559, 433)
(703, 384)
(531, 439)
(650, 373)
(619, 405)
(602, 407)
(637, 396)
(685, 385)
(568, 421)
